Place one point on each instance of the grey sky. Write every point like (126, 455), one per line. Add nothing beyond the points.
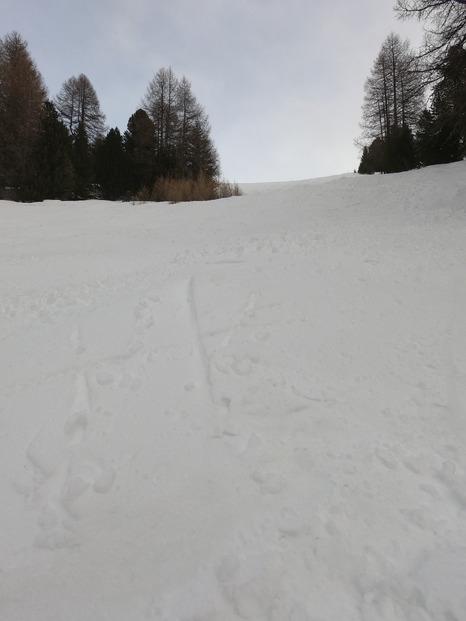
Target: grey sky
(281, 80)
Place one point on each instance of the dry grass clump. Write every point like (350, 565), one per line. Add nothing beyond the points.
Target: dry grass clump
(184, 190)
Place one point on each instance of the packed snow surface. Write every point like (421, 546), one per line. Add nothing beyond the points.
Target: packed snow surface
(252, 408)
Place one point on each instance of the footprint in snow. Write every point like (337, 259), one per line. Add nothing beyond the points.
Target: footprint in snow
(62, 472)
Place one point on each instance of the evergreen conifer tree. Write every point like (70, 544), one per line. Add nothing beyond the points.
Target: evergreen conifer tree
(82, 158)
(111, 166)
(54, 177)
(140, 147)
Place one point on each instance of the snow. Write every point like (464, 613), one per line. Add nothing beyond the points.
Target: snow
(251, 408)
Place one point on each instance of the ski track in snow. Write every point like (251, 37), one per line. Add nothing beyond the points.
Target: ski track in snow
(246, 409)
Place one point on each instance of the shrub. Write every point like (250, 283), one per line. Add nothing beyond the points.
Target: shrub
(204, 188)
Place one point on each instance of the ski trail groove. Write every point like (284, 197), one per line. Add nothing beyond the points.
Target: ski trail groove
(194, 317)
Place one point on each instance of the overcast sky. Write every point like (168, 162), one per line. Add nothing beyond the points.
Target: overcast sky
(281, 80)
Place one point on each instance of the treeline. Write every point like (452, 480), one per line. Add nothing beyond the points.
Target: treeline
(61, 148)
(414, 110)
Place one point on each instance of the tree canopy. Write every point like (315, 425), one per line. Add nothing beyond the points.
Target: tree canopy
(61, 148)
(393, 100)
(22, 94)
(393, 92)
(183, 146)
(396, 138)
(444, 27)
(77, 103)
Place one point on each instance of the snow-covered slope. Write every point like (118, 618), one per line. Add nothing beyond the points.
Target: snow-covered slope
(252, 408)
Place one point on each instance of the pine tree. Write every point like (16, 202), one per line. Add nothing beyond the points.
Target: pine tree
(183, 146)
(82, 158)
(441, 134)
(393, 93)
(140, 147)
(449, 94)
(160, 104)
(196, 153)
(399, 151)
(54, 177)
(365, 167)
(393, 98)
(204, 157)
(373, 158)
(111, 165)
(77, 104)
(22, 94)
